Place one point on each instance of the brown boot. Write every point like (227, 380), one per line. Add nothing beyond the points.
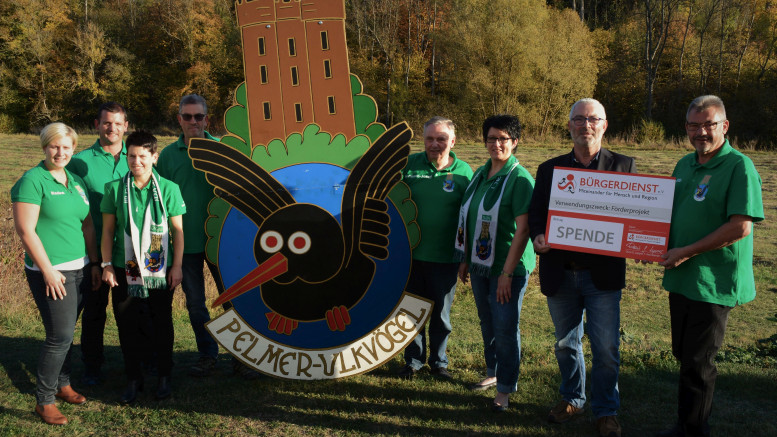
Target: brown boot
(70, 396)
(50, 414)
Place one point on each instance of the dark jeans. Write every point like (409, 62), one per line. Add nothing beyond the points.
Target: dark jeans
(436, 282)
(193, 285)
(92, 328)
(59, 318)
(129, 312)
(697, 335)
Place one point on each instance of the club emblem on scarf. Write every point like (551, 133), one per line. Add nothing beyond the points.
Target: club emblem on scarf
(483, 242)
(154, 258)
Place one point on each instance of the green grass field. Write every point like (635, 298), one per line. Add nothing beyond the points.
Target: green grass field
(380, 404)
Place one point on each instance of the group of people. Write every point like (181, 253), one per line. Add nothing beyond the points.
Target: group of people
(147, 210)
(118, 218)
(488, 225)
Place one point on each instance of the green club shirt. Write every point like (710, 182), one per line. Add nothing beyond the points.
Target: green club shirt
(112, 204)
(62, 212)
(175, 165)
(515, 202)
(437, 195)
(704, 199)
(97, 167)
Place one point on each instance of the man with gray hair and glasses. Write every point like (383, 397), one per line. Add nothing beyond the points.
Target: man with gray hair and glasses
(709, 262)
(580, 284)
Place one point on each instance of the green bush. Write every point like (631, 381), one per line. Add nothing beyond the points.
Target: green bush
(650, 132)
(7, 125)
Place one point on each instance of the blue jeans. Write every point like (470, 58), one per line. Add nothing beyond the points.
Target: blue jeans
(436, 282)
(193, 285)
(577, 296)
(501, 329)
(59, 318)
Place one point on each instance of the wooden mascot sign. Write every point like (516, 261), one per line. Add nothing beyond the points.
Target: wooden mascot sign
(312, 228)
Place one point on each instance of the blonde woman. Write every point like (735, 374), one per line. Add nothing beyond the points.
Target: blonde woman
(51, 216)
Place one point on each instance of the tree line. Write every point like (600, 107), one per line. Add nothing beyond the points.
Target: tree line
(466, 59)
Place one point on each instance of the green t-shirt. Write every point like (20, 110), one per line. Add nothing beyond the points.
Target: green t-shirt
(705, 197)
(515, 202)
(97, 167)
(111, 204)
(175, 165)
(62, 212)
(437, 195)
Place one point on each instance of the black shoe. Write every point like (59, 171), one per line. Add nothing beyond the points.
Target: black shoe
(203, 367)
(244, 371)
(163, 388)
(442, 373)
(131, 393)
(407, 372)
(675, 431)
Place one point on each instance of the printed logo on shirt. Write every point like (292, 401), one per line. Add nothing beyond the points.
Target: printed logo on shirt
(82, 193)
(700, 193)
(447, 184)
(57, 193)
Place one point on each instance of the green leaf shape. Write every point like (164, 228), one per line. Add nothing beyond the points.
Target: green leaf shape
(400, 197)
(218, 210)
(236, 122)
(313, 145)
(365, 112)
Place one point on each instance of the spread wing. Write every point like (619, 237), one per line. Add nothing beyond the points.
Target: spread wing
(364, 216)
(239, 180)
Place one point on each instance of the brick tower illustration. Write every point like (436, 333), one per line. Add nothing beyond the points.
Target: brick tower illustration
(296, 67)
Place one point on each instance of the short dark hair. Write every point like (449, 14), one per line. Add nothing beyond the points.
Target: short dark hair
(111, 107)
(506, 122)
(193, 99)
(141, 138)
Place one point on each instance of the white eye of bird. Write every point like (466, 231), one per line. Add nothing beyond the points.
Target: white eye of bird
(299, 242)
(271, 241)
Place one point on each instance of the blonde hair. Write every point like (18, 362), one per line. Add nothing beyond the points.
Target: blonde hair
(54, 131)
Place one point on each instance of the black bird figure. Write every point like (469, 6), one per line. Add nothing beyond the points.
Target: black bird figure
(310, 267)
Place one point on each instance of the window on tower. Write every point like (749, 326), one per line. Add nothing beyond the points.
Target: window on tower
(262, 47)
(327, 68)
(298, 112)
(263, 74)
(331, 103)
(292, 47)
(266, 108)
(294, 76)
(324, 40)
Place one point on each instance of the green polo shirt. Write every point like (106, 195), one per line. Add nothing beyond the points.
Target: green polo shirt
(97, 167)
(437, 195)
(705, 197)
(175, 164)
(112, 204)
(515, 202)
(62, 212)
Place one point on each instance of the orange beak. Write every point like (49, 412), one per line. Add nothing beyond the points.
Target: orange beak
(274, 266)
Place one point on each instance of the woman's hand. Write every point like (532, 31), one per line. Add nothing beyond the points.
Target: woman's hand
(55, 284)
(109, 276)
(174, 276)
(504, 288)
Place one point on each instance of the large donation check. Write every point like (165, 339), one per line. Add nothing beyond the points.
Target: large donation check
(608, 213)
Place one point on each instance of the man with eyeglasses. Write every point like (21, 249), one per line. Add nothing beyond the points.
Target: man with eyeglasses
(175, 164)
(578, 284)
(709, 264)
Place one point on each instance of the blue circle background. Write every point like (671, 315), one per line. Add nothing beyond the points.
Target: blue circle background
(320, 184)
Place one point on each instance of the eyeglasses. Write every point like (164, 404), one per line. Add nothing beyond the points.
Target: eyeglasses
(708, 126)
(188, 117)
(581, 121)
(494, 140)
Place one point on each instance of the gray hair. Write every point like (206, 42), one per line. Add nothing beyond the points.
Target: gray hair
(57, 130)
(703, 102)
(441, 120)
(589, 101)
(193, 99)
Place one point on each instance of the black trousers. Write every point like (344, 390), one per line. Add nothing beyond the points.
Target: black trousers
(697, 335)
(92, 328)
(135, 343)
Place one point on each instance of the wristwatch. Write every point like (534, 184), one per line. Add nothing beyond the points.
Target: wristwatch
(509, 275)
(106, 264)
